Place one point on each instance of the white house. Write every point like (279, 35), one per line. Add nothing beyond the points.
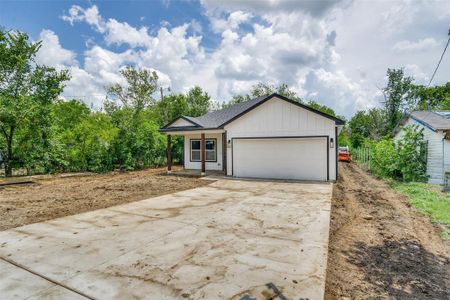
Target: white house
(266, 137)
(436, 129)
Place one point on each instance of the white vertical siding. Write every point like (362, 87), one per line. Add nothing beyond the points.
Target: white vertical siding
(276, 118)
(435, 151)
(196, 165)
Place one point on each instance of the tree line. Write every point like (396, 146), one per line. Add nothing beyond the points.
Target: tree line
(41, 133)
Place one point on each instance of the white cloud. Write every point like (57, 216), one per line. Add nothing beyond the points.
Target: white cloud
(122, 33)
(330, 88)
(52, 53)
(420, 45)
(234, 20)
(89, 15)
(336, 53)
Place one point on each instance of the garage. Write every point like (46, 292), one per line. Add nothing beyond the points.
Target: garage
(297, 158)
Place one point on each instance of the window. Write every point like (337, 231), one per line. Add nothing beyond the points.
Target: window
(210, 150)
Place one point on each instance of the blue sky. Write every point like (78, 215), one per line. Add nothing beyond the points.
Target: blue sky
(334, 52)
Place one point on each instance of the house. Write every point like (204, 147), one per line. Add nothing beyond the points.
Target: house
(267, 137)
(436, 130)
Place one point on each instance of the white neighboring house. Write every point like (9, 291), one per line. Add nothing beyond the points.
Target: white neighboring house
(436, 130)
(267, 137)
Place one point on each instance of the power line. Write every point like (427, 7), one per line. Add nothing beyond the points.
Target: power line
(437, 67)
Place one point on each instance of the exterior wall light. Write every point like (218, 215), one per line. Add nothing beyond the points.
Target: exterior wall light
(331, 143)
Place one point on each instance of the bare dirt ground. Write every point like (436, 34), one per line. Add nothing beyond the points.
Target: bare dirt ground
(52, 197)
(379, 246)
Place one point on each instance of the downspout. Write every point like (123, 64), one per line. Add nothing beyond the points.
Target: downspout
(443, 165)
(444, 174)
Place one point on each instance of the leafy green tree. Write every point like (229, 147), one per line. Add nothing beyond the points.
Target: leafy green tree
(264, 89)
(198, 102)
(434, 98)
(384, 158)
(364, 125)
(67, 114)
(411, 154)
(90, 144)
(344, 137)
(171, 107)
(398, 97)
(320, 107)
(138, 143)
(138, 92)
(27, 91)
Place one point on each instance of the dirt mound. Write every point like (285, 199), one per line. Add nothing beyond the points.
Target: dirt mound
(380, 246)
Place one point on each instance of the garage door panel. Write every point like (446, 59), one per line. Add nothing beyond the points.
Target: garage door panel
(281, 158)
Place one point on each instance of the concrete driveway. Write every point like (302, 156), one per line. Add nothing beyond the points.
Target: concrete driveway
(232, 239)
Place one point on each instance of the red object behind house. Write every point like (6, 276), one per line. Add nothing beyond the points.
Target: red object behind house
(343, 154)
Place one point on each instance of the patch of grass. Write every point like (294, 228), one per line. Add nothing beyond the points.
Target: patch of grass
(428, 199)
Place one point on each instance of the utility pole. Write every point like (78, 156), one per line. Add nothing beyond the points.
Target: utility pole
(166, 112)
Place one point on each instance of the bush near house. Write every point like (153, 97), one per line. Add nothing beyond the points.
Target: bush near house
(404, 159)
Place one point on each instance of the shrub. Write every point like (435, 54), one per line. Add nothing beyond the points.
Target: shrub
(411, 154)
(384, 159)
(404, 159)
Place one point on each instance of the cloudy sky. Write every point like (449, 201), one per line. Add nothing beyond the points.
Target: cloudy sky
(334, 52)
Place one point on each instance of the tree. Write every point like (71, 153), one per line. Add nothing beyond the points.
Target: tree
(434, 98)
(364, 125)
(264, 89)
(398, 97)
(411, 151)
(138, 143)
(324, 109)
(27, 91)
(198, 101)
(138, 91)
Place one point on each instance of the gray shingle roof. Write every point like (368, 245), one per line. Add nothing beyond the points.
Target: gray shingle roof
(218, 118)
(437, 120)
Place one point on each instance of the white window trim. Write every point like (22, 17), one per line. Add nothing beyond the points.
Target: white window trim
(206, 150)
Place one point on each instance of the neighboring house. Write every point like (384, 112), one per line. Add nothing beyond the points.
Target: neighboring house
(436, 130)
(266, 137)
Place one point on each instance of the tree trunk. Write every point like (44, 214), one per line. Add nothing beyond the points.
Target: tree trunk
(8, 169)
(9, 155)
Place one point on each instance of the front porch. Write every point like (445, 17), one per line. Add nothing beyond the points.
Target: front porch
(204, 153)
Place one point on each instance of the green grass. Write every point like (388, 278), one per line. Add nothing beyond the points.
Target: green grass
(428, 199)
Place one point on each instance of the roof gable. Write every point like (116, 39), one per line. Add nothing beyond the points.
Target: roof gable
(182, 121)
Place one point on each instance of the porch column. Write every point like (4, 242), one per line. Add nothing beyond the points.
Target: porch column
(169, 154)
(203, 153)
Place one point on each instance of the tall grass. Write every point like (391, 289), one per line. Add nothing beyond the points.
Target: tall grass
(428, 199)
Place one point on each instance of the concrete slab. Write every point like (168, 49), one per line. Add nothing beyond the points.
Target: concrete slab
(227, 240)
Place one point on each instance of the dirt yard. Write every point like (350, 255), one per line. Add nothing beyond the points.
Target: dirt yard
(55, 196)
(379, 246)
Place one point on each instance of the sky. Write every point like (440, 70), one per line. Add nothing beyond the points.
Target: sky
(333, 52)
